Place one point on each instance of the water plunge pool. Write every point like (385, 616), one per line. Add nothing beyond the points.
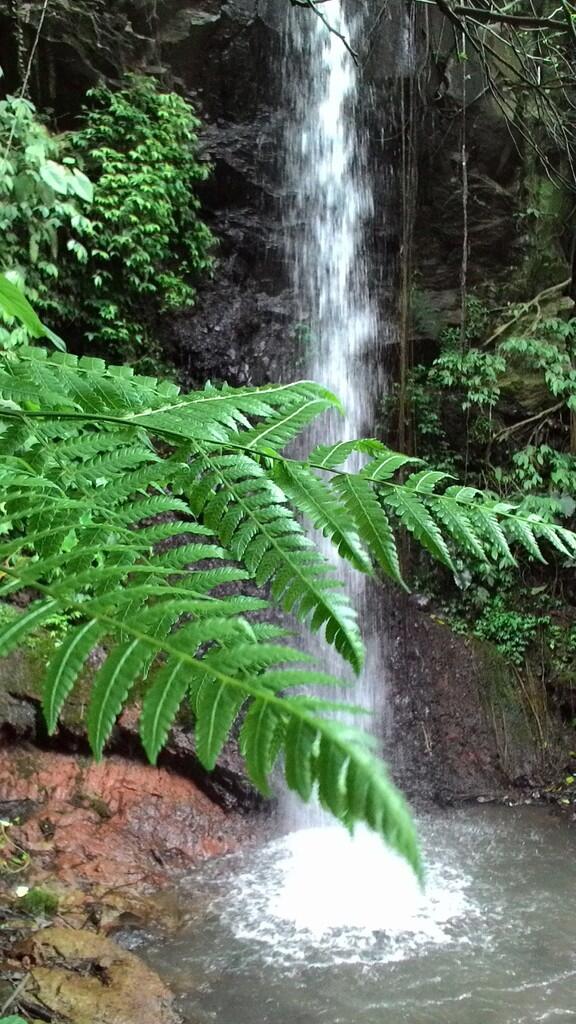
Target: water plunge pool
(314, 927)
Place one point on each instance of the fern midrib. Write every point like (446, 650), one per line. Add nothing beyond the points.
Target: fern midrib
(103, 705)
(51, 715)
(295, 414)
(205, 399)
(326, 515)
(242, 686)
(179, 436)
(307, 580)
(374, 527)
(159, 709)
(322, 465)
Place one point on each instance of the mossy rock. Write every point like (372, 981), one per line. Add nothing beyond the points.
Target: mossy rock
(82, 977)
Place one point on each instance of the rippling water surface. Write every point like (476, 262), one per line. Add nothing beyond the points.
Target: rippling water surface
(315, 927)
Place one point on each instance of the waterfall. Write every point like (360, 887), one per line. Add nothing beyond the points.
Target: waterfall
(331, 202)
(329, 210)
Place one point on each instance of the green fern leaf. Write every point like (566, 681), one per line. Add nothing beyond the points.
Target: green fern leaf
(425, 481)
(371, 522)
(261, 739)
(273, 547)
(111, 687)
(14, 632)
(252, 657)
(64, 668)
(161, 705)
(217, 708)
(333, 764)
(455, 518)
(385, 467)
(556, 536)
(329, 456)
(276, 432)
(319, 504)
(519, 529)
(415, 517)
(301, 744)
(488, 526)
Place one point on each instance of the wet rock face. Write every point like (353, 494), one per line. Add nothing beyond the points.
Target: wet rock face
(228, 57)
(21, 720)
(117, 822)
(458, 729)
(85, 823)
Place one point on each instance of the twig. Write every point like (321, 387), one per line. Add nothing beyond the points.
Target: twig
(465, 238)
(569, 20)
(312, 5)
(519, 20)
(480, 14)
(17, 992)
(531, 419)
(525, 306)
(26, 78)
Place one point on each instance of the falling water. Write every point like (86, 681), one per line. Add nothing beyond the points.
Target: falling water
(331, 202)
(328, 216)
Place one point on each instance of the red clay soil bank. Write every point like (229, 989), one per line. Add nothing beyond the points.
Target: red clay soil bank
(118, 820)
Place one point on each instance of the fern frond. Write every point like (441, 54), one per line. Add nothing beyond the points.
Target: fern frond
(562, 540)
(160, 706)
(301, 745)
(318, 502)
(217, 707)
(277, 431)
(14, 632)
(113, 682)
(330, 456)
(119, 493)
(457, 522)
(261, 739)
(265, 536)
(385, 467)
(489, 528)
(371, 522)
(65, 667)
(415, 517)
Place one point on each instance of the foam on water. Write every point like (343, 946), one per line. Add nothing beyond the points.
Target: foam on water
(321, 895)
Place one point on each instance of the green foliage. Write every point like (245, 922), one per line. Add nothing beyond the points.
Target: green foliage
(39, 902)
(476, 375)
(107, 259)
(464, 401)
(502, 413)
(15, 306)
(44, 197)
(146, 243)
(126, 508)
(511, 631)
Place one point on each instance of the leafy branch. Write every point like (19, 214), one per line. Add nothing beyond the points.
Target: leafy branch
(130, 510)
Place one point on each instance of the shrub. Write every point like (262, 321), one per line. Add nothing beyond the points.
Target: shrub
(147, 244)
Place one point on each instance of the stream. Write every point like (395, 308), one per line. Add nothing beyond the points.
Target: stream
(317, 926)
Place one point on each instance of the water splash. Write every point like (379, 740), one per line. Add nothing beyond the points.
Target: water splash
(332, 880)
(322, 896)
